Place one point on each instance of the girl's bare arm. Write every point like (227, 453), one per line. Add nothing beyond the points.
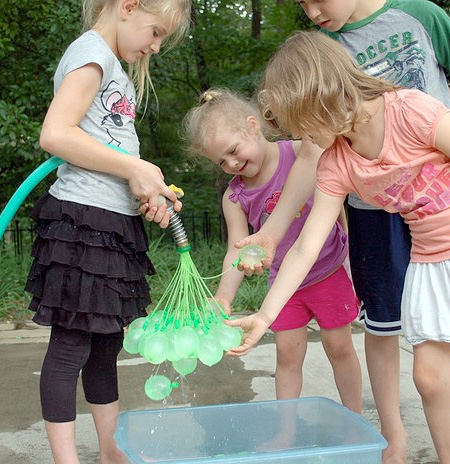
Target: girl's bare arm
(294, 268)
(237, 227)
(62, 136)
(296, 191)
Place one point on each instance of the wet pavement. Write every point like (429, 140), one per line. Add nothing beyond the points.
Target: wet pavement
(233, 380)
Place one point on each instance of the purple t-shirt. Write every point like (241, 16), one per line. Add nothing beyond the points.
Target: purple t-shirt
(258, 203)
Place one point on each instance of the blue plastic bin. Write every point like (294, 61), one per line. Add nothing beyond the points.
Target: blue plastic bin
(302, 431)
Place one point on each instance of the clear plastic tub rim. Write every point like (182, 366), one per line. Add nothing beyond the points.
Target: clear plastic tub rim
(312, 430)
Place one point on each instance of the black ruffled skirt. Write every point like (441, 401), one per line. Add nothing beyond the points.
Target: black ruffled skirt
(89, 267)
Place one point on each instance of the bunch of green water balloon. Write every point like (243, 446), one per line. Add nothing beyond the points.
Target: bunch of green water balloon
(160, 338)
(186, 326)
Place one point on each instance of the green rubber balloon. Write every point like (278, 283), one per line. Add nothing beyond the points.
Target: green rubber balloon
(154, 347)
(132, 340)
(252, 254)
(185, 366)
(228, 337)
(186, 342)
(158, 387)
(139, 322)
(156, 316)
(209, 350)
(172, 354)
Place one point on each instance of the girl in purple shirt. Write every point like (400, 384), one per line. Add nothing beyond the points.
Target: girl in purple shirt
(227, 129)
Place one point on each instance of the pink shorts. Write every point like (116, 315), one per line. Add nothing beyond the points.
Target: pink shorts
(332, 302)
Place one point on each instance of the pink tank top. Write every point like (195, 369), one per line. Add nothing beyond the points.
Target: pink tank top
(258, 203)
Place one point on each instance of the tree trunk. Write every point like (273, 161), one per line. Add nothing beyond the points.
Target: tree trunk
(202, 69)
(256, 19)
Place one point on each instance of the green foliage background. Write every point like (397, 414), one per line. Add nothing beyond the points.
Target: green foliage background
(229, 44)
(221, 50)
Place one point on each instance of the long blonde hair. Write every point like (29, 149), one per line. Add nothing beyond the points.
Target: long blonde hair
(177, 13)
(312, 83)
(217, 108)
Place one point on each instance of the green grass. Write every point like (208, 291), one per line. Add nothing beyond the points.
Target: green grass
(13, 299)
(207, 257)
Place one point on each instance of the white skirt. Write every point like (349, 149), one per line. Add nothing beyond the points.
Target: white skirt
(426, 302)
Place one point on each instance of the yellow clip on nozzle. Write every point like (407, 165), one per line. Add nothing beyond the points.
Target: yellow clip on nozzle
(177, 190)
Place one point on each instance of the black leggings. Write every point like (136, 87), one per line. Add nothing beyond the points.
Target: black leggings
(70, 351)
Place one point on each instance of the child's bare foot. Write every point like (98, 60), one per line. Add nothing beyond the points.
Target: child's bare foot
(396, 452)
(113, 457)
(282, 440)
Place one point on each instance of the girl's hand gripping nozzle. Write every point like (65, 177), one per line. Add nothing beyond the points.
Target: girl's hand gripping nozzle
(175, 224)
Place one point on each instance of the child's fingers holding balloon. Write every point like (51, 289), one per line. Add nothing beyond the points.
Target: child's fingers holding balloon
(254, 329)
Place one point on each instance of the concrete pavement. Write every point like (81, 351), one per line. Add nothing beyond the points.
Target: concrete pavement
(250, 378)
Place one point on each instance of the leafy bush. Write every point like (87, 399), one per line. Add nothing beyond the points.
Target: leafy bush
(207, 257)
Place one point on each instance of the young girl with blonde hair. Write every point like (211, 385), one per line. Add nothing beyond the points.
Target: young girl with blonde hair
(90, 256)
(227, 128)
(391, 146)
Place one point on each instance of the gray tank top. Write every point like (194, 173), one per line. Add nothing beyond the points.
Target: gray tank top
(110, 120)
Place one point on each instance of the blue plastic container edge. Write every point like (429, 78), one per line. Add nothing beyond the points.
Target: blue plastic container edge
(237, 405)
(117, 435)
(261, 457)
(269, 457)
(323, 399)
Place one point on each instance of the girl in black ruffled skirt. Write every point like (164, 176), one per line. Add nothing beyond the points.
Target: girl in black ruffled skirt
(88, 278)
